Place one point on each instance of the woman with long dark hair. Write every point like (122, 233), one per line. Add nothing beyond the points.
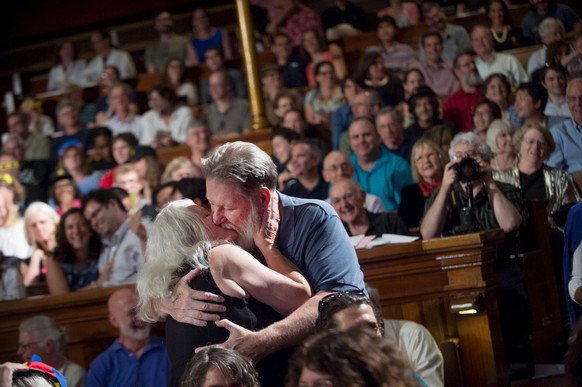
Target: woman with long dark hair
(372, 74)
(73, 265)
(167, 114)
(175, 78)
(325, 98)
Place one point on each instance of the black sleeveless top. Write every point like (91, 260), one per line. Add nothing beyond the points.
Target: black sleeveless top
(183, 339)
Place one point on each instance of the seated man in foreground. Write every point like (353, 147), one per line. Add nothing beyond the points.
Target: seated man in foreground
(136, 358)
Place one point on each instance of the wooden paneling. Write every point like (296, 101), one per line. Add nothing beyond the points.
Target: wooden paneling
(419, 281)
(84, 313)
(413, 280)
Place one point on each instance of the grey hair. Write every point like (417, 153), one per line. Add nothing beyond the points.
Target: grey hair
(470, 138)
(493, 131)
(27, 379)
(391, 110)
(243, 164)
(176, 240)
(33, 208)
(43, 328)
(548, 25)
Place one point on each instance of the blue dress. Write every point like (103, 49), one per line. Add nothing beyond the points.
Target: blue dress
(215, 41)
(80, 276)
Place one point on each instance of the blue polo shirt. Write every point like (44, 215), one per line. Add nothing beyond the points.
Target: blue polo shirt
(118, 367)
(386, 179)
(568, 153)
(312, 236)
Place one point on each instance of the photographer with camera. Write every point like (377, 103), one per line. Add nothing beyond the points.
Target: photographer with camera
(470, 200)
(493, 204)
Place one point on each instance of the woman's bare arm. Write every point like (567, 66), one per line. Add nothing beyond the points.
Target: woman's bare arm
(239, 274)
(55, 278)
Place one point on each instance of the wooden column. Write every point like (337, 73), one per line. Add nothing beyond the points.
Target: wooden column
(250, 65)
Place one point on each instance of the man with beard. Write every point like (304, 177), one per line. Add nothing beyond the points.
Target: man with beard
(136, 358)
(240, 182)
(169, 46)
(490, 62)
(458, 108)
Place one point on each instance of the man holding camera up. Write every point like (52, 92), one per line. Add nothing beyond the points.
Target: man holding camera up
(492, 205)
(495, 204)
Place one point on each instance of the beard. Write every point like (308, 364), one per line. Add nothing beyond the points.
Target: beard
(139, 331)
(473, 79)
(246, 233)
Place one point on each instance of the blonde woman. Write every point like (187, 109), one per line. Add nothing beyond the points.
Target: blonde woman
(499, 138)
(428, 161)
(178, 169)
(40, 226)
(533, 144)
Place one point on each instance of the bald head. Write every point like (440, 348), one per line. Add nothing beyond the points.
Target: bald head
(348, 199)
(122, 307)
(120, 300)
(337, 165)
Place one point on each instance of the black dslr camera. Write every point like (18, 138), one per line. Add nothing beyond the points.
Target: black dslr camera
(468, 170)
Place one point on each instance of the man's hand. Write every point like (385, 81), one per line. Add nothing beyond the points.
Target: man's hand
(449, 176)
(265, 237)
(241, 340)
(486, 172)
(136, 225)
(193, 306)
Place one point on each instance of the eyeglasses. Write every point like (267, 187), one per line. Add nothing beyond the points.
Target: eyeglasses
(531, 141)
(9, 165)
(347, 196)
(332, 296)
(459, 155)
(337, 167)
(25, 347)
(419, 158)
(92, 216)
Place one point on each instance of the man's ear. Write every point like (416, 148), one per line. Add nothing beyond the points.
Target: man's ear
(264, 197)
(113, 320)
(49, 346)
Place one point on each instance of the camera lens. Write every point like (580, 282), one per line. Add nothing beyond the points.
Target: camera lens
(468, 169)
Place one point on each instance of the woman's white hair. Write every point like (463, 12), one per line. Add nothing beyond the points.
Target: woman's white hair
(177, 240)
(495, 128)
(33, 208)
(470, 138)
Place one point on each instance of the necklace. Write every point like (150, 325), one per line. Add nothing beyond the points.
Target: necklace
(500, 38)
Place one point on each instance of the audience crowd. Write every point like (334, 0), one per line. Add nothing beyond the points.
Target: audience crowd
(452, 138)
